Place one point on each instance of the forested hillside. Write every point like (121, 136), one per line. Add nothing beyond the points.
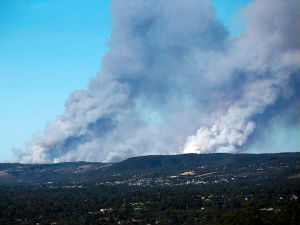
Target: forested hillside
(223, 189)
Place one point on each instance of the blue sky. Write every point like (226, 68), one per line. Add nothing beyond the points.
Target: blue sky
(48, 48)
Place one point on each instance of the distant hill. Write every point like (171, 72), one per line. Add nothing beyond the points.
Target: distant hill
(153, 165)
(190, 160)
(28, 173)
(158, 189)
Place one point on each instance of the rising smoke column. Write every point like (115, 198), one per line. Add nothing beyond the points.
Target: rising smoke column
(173, 82)
(267, 57)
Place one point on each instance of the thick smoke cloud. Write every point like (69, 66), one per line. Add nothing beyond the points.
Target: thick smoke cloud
(266, 56)
(173, 82)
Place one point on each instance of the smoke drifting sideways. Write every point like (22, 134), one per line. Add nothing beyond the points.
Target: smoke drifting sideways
(173, 82)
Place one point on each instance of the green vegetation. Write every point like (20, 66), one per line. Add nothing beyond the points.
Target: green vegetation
(221, 189)
(289, 215)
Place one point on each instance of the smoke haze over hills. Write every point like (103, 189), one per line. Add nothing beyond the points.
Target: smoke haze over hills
(174, 82)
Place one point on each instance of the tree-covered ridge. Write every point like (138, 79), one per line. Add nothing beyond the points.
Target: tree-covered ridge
(167, 190)
(151, 166)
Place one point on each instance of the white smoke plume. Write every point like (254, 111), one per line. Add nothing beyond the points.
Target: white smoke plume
(174, 82)
(267, 53)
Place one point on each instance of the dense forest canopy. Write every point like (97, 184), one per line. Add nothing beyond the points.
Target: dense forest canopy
(222, 189)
